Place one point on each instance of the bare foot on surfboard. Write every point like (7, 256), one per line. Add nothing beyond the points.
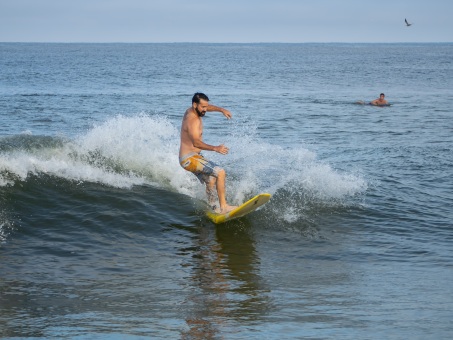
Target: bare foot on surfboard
(227, 209)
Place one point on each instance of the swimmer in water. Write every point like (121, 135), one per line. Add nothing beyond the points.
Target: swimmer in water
(380, 101)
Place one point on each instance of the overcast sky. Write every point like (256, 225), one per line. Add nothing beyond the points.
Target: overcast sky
(225, 21)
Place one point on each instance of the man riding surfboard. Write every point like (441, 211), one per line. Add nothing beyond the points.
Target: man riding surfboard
(191, 146)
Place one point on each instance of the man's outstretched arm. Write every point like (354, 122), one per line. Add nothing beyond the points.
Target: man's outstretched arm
(225, 112)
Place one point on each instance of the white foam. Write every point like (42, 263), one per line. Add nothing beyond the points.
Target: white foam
(262, 166)
(295, 177)
(122, 152)
(127, 151)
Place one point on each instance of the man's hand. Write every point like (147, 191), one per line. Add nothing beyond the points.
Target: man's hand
(227, 113)
(221, 149)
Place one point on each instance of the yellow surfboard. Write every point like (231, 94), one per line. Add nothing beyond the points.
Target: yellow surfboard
(242, 210)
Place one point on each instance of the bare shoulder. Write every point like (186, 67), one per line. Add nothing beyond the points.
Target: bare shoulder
(187, 116)
(190, 119)
(186, 113)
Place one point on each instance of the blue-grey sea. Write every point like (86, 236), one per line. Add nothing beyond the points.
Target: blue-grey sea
(103, 234)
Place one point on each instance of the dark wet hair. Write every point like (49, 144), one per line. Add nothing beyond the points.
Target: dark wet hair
(197, 96)
(382, 95)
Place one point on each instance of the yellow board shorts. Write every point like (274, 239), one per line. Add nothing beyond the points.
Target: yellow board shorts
(199, 166)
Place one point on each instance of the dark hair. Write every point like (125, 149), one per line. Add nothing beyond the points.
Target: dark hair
(197, 96)
(382, 94)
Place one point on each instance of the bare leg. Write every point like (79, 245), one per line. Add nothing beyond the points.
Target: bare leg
(220, 185)
(210, 191)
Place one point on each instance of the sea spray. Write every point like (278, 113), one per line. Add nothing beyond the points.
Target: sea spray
(113, 153)
(143, 150)
(294, 175)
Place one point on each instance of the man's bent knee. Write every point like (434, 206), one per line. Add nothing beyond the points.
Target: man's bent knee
(221, 173)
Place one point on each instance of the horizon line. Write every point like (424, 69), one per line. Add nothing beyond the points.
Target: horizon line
(225, 42)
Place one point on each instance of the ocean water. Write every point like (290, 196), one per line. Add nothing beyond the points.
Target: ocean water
(103, 235)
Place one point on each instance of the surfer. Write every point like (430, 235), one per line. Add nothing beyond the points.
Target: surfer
(191, 146)
(380, 101)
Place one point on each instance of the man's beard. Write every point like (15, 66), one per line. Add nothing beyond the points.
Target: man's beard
(200, 113)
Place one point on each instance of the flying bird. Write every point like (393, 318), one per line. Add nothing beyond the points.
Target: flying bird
(407, 24)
